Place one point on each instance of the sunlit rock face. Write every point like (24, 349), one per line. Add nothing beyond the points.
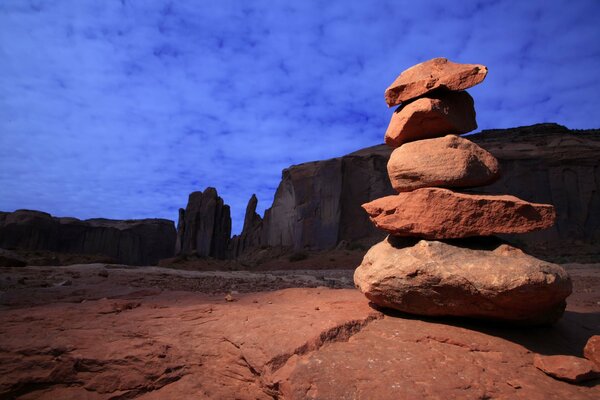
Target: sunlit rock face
(434, 278)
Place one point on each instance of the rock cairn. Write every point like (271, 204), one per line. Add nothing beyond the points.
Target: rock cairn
(440, 258)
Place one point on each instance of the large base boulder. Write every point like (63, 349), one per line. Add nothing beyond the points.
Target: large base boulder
(434, 278)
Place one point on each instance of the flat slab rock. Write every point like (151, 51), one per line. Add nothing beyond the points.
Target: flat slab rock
(439, 279)
(436, 213)
(449, 161)
(294, 344)
(439, 114)
(431, 75)
(567, 368)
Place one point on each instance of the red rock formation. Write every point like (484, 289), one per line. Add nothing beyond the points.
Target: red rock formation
(433, 74)
(450, 161)
(435, 213)
(439, 114)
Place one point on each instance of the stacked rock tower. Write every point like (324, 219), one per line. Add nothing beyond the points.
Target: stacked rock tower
(440, 258)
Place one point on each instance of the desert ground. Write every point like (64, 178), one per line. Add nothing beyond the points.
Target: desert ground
(101, 331)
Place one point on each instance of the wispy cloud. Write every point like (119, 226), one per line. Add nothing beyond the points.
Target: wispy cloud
(120, 109)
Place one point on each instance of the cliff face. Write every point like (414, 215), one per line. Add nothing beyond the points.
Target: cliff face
(135, 242)
(317, 204)
(548, 163)
(204, 227)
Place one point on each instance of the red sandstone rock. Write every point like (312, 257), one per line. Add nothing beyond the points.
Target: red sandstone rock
(450, 161)
(184, 344)
(566, 368)
(439, 279)
(433, 74)
(591, 351)
(437, 115)
(435, 213)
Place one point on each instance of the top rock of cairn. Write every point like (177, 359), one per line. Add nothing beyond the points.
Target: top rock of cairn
(433, 74)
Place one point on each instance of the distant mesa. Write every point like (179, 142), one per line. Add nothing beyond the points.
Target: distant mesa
(135, 242)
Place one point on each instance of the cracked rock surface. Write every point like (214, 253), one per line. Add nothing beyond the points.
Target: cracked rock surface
(98, 337)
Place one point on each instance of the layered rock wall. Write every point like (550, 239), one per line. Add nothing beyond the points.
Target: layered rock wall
(317, 204)
(135, 242)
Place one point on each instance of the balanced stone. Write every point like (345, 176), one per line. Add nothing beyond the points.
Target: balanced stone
(436, 213)
(433, 74)
(449, 161)
(439, 114)
(439, 279)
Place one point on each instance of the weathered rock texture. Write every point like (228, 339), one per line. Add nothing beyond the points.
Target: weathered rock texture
(433, 74)
(566, 368)
(438, 279)
(450, 161)
(436, 213)
(136, 242)
(439, 114)
(204, 227)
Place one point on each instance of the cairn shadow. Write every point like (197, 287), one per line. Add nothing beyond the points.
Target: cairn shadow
(567, 336)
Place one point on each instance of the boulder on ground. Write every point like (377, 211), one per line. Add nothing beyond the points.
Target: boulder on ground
(439, 114)
(434, 278)
(435, 213)
(450, 161)
(433, 74)
(566, 368)
(591, 351)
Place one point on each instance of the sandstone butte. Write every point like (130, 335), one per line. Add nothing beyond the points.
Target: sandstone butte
(433, 74)
(440, 114)
(439, 279)
(435, 213)
(450, 161)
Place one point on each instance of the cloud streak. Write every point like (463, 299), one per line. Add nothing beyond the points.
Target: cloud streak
(120, 109)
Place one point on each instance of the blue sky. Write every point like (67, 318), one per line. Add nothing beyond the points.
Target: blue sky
(120, 109)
